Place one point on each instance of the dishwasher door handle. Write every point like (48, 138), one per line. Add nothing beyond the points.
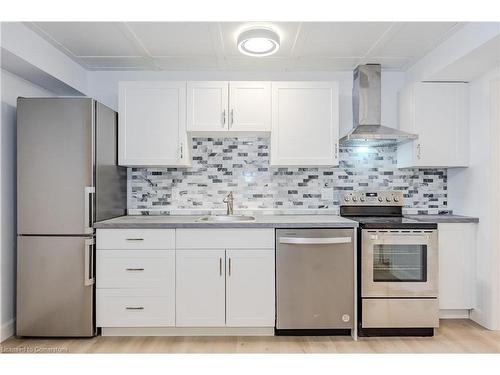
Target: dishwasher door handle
(314, 241)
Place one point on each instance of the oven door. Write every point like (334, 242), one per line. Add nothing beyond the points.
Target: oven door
(399, 263)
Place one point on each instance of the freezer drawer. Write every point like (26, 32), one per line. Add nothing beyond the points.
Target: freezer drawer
(315, 278)
(54, 286)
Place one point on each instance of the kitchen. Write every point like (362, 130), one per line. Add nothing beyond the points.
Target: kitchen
(249, 184)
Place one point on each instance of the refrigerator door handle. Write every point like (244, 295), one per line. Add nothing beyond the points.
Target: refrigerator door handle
(89, 190)
(89, 278)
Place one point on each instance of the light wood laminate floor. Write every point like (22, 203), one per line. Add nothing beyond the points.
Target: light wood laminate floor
(454, 336)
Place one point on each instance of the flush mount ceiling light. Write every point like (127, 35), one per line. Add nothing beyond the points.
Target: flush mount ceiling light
(258, 42)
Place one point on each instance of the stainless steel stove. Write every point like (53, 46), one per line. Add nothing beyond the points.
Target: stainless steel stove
(397, 266)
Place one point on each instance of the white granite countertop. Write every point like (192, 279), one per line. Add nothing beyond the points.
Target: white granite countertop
(261, 221)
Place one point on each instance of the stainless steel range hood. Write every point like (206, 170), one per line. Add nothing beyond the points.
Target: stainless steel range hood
(366, 96)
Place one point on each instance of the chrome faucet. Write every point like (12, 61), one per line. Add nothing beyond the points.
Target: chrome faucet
(228, 200)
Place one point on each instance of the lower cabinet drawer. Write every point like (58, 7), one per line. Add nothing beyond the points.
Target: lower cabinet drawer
(134, 308)
(136, 269)
(135, 239)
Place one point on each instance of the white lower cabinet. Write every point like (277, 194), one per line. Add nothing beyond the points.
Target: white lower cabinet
(135, 307)
(250, 288)
(136, 269)
(135, 278)
(457, 252)
(185, 279)
(200, 288)
(225, 288)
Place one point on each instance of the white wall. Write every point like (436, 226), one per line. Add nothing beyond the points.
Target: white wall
(104, 86)
(474, 191)
(11, 87)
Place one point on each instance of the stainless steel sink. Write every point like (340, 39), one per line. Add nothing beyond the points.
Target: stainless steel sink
(225, 218)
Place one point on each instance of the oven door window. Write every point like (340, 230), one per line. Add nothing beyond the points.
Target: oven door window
(399, 263)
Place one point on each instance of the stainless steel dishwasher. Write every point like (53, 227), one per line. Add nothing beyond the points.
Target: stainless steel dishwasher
(314, 281)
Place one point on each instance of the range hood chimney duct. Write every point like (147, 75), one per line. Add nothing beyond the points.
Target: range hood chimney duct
(366, 103)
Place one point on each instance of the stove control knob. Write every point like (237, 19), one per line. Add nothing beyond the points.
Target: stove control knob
(346, 198)
(362, 199)
(380, 199)
(396, 199)
(354, 199)
(388, 199)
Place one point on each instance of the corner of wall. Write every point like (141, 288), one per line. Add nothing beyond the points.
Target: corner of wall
(7, 330)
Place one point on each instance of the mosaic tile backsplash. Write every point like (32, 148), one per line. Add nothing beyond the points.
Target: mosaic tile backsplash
(242, 165)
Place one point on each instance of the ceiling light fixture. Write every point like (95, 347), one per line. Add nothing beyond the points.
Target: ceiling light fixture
(258, 42)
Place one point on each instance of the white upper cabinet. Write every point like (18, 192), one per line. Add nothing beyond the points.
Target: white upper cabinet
(305, 123)
(249, 106)
(219, 106)
(438, 113)
(152, 124)
(207, 106)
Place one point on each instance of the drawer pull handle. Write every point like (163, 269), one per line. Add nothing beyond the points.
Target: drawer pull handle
(134, 308)
(135, 269)
(135, 239)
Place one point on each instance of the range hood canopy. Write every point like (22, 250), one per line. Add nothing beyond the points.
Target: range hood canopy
(366, 97)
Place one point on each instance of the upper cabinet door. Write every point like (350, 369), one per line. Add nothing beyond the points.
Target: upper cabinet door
(305, 123)
(438, 113)
(152, 124)
(207, 106)
(250, 106)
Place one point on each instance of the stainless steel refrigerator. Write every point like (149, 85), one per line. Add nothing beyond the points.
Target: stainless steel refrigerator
(67, 178)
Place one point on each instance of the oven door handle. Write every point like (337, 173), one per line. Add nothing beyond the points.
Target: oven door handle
(314, 241)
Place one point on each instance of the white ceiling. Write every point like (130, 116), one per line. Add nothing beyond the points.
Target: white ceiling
(212, 45)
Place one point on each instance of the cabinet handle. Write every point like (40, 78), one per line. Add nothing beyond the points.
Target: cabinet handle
(220, 266)
(232, 118)
(223, 118)
(181, 151)
(134, 269)
(135, 239)
(134, 308)
(229, 266)
(336, 151)
(419, 151)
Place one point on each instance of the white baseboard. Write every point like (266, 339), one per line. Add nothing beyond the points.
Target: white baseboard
(187, 331)
(454, 314)
(8, 329)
